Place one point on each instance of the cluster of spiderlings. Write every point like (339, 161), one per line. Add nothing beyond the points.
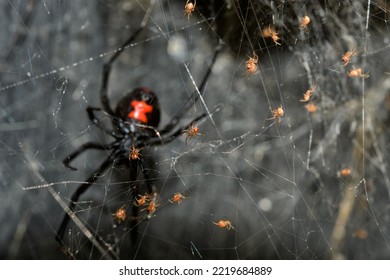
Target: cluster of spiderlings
(148, 202)
(252, 68)
(311, 107)
(354, 72)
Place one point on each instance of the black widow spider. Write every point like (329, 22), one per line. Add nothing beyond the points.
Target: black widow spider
(135, 126)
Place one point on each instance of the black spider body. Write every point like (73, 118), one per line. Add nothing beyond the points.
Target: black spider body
(138, 117)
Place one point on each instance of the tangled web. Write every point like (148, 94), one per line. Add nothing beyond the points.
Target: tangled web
(290, 163)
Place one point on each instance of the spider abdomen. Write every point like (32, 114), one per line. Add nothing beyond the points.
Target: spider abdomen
(140, 105)
(139, 111)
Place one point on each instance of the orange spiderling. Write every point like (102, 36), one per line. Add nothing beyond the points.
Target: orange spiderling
(177, 198)
(134, 153)
(192, 131)
(224, 224)
(152, 208)
(142, 200)
(345, 172)
(311, 107)
(120, 215)
(251, 64)
(357, 73)
(308, 94)
(271, 32)
(189, 8)
(360, 233)
(305, 22)
(277, 113)
(347, 56)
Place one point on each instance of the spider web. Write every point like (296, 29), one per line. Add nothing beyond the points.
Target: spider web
(279, 183)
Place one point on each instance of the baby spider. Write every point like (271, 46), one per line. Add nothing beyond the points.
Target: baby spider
(251, 64)
(151, 208)
(308, 94)
(224, 224)
(192, 131)
(305, 22)
(347, 56)
(357, 73)
(120, 215)
(270, 32)
(277, 113)
(142, 200)
(189, 8)
(177, 198)
(311, 107)
(134, 153)
(360, 233)
(345, 172)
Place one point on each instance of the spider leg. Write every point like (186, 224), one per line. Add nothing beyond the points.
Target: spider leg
(95, 120)
(107, 70)
(194, 96)
(81, 149)
(75, 197)
(107, 66)
(155, 141)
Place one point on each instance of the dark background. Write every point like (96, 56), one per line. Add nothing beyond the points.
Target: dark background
(277, 182)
